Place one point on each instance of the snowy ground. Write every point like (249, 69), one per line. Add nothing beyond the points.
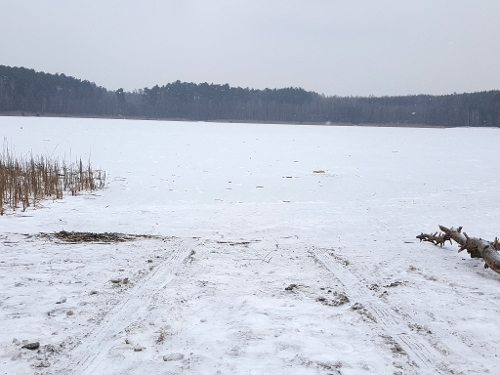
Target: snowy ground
(257, 264)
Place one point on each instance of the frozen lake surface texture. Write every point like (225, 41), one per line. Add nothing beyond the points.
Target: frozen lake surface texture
(271, 249)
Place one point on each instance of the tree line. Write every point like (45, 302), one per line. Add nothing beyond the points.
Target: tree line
(25, 90)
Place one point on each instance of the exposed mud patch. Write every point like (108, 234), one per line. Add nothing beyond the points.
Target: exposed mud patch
(237, 243)
(365, 314)
(394, 346)
(332, 368)
(393, 284)
(419, 328)
(81, 237)
(334, 299)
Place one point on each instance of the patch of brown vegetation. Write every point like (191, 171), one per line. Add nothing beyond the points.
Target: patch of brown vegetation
(80, 237)
(106, 237)
(25, 181)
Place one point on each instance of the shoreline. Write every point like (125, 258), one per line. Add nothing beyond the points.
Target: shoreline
(315, 123)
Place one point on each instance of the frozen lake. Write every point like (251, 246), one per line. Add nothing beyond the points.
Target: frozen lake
(181, 178)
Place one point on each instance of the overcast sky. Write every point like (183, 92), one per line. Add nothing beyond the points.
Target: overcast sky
(335, 47)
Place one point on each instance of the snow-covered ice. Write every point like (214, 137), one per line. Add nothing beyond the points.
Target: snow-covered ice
(271, 249)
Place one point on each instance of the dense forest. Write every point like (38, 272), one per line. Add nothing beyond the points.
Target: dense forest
(27, 91)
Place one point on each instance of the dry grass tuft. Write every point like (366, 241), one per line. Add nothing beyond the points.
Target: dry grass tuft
(24, 182)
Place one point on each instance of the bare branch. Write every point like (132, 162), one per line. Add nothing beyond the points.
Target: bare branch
(476, 247)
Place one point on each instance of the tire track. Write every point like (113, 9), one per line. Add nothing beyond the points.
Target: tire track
(419, 351)
(97, 344)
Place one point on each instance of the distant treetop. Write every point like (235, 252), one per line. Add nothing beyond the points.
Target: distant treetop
(25, 90)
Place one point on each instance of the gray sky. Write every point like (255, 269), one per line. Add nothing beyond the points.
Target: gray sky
(335, 47)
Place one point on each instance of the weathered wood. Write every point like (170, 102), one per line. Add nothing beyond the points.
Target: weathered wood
(435, 238)
(476, 247)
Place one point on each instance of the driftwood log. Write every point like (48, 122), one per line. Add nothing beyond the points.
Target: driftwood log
(476, 247)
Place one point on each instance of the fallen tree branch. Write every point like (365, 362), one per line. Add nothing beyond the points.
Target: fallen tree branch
(476, 247)
(435, 238)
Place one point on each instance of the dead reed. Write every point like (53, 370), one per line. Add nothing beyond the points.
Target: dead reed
(24, 182)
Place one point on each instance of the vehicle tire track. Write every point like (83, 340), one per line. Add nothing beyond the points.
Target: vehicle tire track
(419, 351)
(97, 344)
